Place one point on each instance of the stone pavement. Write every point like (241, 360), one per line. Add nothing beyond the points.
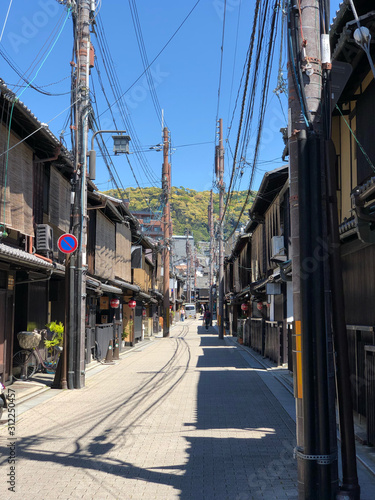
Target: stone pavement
(188, 417)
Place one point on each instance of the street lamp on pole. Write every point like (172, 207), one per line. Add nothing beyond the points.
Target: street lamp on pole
(121, 146)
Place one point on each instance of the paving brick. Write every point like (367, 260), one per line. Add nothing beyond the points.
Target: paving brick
(186, 418)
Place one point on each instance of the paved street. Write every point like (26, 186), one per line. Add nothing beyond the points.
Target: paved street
(188, 417)
(185, 418)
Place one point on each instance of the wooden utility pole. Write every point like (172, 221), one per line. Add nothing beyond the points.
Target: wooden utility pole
(219, 165)
(77, 264)
(188, 268)
(166, 186)
(211, 230)
(316, 449)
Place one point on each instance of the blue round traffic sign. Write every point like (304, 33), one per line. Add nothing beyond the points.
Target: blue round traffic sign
(67, 243)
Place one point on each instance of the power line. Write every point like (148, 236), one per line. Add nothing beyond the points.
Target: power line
(144, 57)
(114, 84)
(6, 19)
(266, 82)
(156, 57)
(221, 60)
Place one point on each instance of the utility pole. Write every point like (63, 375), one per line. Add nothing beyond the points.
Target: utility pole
(188, 268)
(312, 337)
(219, 165)
(166, 186)
(211, 230)
(77, 264)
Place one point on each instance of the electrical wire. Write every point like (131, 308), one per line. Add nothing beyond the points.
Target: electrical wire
(221, 60)
(267, 20)
(155, 58)
(249, 61)
(115, 87)
(47, 44)
(144, 57)
(6, 19)
(9, 61)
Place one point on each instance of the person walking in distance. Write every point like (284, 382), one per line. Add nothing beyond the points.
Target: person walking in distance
(207, 318)
(182, 312)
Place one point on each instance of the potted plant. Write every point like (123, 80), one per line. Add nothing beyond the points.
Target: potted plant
(57, 330)
(124, 336)
(126, 333)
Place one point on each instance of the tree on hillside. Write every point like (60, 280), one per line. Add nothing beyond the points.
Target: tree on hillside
(188, 208)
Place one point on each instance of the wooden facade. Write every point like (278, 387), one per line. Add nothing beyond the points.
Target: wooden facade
(252, 272)
(354, 161)
(35, 189)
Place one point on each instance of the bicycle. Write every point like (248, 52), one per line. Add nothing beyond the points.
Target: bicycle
(29, 360)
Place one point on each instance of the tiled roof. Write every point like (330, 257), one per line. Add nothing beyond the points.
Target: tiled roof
(22, 256)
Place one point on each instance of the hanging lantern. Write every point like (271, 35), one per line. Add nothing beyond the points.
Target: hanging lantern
(144, 312)
(244, 306)
(115, 303)
(259, 306)
(132, 304)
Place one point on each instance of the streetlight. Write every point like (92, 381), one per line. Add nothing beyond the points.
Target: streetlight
(120, 146)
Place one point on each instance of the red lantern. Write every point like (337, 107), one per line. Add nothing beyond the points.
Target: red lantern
(144, 312)
(132, 304)
(115, 303)
(244, 306)
(259, 306)
(170, 307)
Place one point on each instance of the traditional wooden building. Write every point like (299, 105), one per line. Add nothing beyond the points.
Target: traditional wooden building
(353, 157)
(35, 210)
(257, 276)
(35, 170)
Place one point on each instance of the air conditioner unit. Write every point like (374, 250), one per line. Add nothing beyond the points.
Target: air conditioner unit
(277, 248)
(44, 239)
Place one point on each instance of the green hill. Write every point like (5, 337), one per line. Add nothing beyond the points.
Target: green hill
(189, 208)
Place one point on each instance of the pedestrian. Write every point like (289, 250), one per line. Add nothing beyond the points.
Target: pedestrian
(182, 313)
(207, 318)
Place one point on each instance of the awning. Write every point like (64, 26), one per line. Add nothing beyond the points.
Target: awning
(110, 289)
(147, 297)
(243, 292)
(21, 257)
(127, 285)
(93, 284)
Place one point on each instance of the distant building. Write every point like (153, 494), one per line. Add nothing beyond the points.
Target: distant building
(150, 221)
(179, 247)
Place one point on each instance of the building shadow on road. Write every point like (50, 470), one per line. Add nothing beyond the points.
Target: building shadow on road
(239, 446)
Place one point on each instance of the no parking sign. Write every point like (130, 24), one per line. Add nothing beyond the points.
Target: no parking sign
(67, 243)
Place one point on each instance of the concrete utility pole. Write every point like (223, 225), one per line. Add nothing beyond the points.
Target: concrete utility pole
(77, 264)
(312, 337)
(166, 186)
(211, 230)
(219, 162)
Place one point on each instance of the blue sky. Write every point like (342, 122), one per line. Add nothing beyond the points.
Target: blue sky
(186, 77)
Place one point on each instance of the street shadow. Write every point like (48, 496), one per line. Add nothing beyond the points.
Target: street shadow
(239, 445)
(201, 330)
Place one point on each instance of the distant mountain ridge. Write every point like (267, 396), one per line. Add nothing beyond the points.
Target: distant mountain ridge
(189, 208)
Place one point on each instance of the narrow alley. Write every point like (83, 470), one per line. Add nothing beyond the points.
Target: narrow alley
(188, 417)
